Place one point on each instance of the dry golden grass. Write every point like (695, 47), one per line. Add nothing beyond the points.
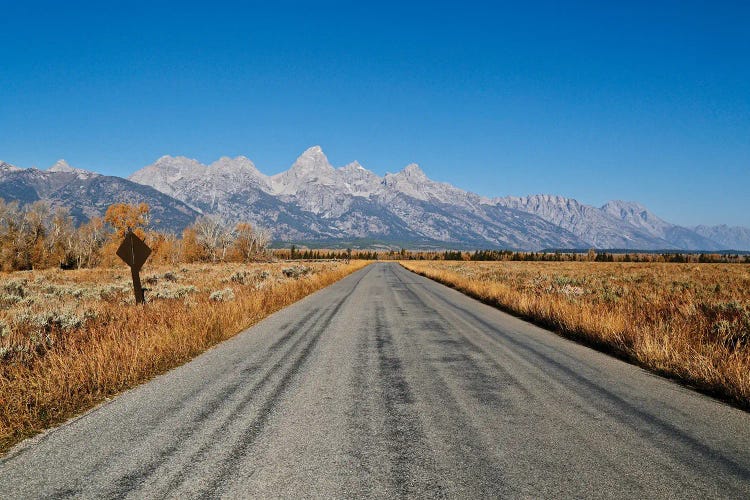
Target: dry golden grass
(70, 339)
(690, 322)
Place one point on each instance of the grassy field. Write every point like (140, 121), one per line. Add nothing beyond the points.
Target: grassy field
(690, 322)
(70, 339)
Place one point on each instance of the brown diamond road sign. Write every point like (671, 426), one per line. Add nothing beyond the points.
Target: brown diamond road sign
(133, 251)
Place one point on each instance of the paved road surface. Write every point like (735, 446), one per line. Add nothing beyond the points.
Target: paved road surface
(388, 384)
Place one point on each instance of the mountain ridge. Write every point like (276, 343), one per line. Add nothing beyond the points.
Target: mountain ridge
(352, 202)
(315, 201)
(87, 194)
(313, 185)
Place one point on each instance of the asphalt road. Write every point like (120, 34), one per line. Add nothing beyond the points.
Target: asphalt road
(388, 384)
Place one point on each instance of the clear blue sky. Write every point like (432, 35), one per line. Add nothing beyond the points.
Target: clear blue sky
(638, 101)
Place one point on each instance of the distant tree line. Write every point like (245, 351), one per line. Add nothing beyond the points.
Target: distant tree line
(324, 254)
(557, 256)
(35, 236)
(542, 256)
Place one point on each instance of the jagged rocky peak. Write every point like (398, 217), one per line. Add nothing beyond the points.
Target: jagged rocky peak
(732, 237)
(633, 212)
(168, 167)
(554, 198)
(413, 172)
(61, 166)
(409, 174)
(355, 170)
(177, 163)
(357, 180)
(620, 208)
(168, 173)
(320, 201)
(411, 181)
(312, 160)
(310, 168)
(539, 201)
(238, 164)
(549, 198)
(354, 166)
(639, 216)
(64, 167)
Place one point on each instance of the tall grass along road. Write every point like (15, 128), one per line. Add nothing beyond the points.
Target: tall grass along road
(690, 322)
(389, 384)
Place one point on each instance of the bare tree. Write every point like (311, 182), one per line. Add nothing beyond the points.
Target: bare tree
(87, 242)
(249, 241)
(11, 229)
(213, 236)
(62, 238)
(262, 239)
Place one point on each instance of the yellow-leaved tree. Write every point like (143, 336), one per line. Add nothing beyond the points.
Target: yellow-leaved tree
(123, 217)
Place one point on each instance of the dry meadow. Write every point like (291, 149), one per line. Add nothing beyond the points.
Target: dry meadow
(71, 339)
(690, 322)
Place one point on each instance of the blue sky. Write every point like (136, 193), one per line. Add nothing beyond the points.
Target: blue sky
(593, 100)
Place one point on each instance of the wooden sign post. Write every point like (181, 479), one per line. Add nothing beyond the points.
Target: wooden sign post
(134, 252)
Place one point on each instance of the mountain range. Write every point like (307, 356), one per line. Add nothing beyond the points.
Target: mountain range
(316, 203)
(87, 194)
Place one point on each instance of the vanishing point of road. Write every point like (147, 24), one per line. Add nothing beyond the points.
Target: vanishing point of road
(387, 384)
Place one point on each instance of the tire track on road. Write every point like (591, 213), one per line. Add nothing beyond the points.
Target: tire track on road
(641, 422)
(300, 329)
(478, 475)
(250, 434)
(196, 423)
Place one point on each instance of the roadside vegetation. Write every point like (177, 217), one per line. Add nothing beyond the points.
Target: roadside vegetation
(689, 321)
(36, 236)
(71, 334)
(71, 339)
